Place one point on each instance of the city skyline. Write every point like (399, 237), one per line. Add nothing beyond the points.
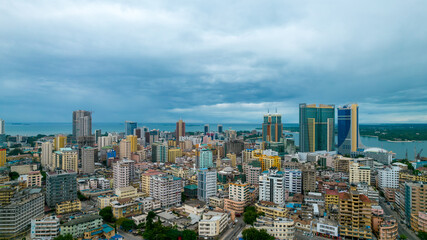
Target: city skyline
(162, 61)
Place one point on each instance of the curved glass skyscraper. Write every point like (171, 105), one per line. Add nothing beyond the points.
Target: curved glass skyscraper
(348, 129)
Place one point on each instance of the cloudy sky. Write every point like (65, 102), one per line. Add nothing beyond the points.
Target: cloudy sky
(211, 61)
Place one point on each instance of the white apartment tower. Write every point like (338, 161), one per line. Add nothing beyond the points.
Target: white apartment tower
(272, 186)
(123, 173)
(167, 189)
(206, 184)
(388, 178)
(46, 160)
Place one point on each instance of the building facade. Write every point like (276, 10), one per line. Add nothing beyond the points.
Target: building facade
(206, 184)
(272, 128)
(123, 173)
(166, 188)
(61, 186)
(348, 129)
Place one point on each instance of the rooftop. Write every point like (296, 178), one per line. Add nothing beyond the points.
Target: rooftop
(81, 220)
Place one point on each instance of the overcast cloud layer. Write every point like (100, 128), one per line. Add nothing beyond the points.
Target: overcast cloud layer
(211, 61)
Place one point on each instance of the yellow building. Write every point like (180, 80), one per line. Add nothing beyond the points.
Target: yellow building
(355, 215)
(268, 162)
(59, 142)
(171, 143)
(146, 180)
(123, 208)
(233, 159)
(6, 193)
(271, 210)
(105, 201)
(126, 192)
(68, 207)
(173, 153)
(133, 143)
(179, 172)
(359, 174)
(4, 178)
(2, 157)
(341, 164)
(331, 198)
(404, 176)
(66, 159)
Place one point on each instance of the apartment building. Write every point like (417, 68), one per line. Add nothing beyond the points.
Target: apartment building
(238, 197)
(279, 228)
(212, 224)
(206, 184)
(272, 186)
(272, 210)
(61, 186)
(388, 178)
(355, 215)
(78, 226)
(44, 228)
(359, 174)
(123, 173)
(146, 180)
(166, 188)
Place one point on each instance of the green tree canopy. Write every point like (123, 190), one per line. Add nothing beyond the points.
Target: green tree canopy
(127, 224)
(250, 215)
(13, 175)
(254, 234)
(107, 214)
(422, 235)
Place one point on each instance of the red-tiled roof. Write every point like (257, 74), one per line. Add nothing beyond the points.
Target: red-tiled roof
(331, 192)
(364, 198)
(344, 196)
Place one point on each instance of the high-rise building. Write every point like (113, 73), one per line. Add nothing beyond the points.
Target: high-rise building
(388, 178)
(159, 152)
(355, 215)
(2, 157)
(206, 184)
(104, 141)
(205, 158)
(415, 201)
(66, 159)
(348, 129)
(309, 179)
(272, 128)
(15, 217)
(233, 159)
(1, 126)
(146, 180)
(359, 174)
(238, 197)
(89, 157)
(46, 158)
(293, 183)
(82, 124)
(317, 127)
(270, 159)
(252, 173)
(220, 128)
(180, 130)
(98, 133)
(129, 127)
(123, 173)
(167, 189)
(206, 128)
(61, 186)
(59, 142)
(133, 143)
(173, 153)
(125, 148)
(272, 186)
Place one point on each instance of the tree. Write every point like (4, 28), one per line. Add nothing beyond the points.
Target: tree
(183, 197)
(422, 235)
(127, 224)
(149, 220)
(81, 196)
(15, 151)
(107, 214)
(402, 236)
(254, 234)
(250, 215)
(13, 175)
(64, 237)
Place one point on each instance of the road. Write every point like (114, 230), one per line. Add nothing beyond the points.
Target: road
(402, 229)
(232, 233)
(129, 236)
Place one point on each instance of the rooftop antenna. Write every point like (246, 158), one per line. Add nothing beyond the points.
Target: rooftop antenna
(268, 110)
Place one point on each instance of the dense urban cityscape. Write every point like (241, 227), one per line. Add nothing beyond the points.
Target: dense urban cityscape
(215, 183)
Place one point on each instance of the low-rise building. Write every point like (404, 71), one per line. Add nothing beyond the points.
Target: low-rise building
(216, 202)
(45, 228)
(271, 210)
(68, 207)
(126, 192)
(212, 224)
(388, 230)
(279, 228)
(419, 222)
(126, 207)
(78, 226)
(327, 228)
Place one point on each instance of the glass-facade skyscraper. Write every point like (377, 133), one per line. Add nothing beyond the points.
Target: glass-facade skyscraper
(317, 127)
(272, 128)
(348, 129)
(129, 127)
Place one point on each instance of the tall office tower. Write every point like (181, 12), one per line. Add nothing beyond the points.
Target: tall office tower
(82, 124)
(46, 158)
(61, 186)
(355, 215)
(105, 141)
(59, 142)
(238, 197)
(138, 132)
(206, 184)
(133, 143)
(15, 217)
(89, 157)
(272, 186)
(348, 129)
(125, 148)
(2, 157)
(293, 182)
(123, 173)
(98, 133)
(220, 128)
(180, 129)
(173, 153)
(129, 127)
(167, 189)
(206, 128)
(317, 127)
(359, 174)
(272, 128)
(205, 158)
(414, 202)
(309, 178)
(388, 178)
(159, 152)
(1, 126)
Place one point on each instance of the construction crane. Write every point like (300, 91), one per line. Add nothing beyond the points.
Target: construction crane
(419, 154)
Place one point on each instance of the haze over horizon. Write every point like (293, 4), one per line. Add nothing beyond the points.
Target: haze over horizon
(204, 62)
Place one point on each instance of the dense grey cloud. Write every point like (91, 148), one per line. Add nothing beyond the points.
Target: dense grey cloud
(217, 61)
